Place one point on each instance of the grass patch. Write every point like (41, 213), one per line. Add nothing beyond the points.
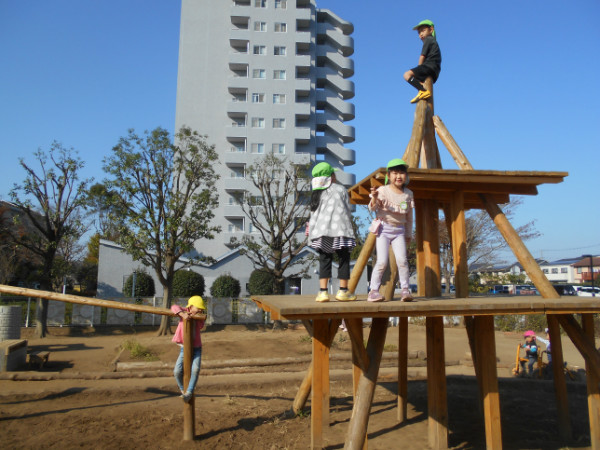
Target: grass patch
(138, 351)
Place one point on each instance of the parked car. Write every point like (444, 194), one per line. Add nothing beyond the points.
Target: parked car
(564, 289)
(525, 290)
(586, 291)
(499, 289)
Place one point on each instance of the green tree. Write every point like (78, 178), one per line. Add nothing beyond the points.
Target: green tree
(164, 195)
(260, 283)
(225, 286)
(144, 285)
(51, 199)
(278, 209)
(187, 283)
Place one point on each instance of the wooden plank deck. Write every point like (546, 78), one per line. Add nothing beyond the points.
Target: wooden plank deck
(294, 307)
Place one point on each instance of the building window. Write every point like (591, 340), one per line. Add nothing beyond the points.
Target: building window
(258, 98)
(555, 270)
(259, 50)
(258, 122)
(279, 50)
(257, 148)
(579, 270)
(239, 123)
(545, 270)
(279, 98)
(236, 199)
(564, 270)
(279, 149)
(236, 225)
(279, 74)
(259, 73)
(260, 3)
(280, 4)
(278, 123)
(260, 26)
(280, 27)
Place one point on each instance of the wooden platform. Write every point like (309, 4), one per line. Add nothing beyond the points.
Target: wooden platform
(322, 321)
(294, 307)
(440, 184)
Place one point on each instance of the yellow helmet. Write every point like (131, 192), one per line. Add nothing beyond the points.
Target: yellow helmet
(196, 301)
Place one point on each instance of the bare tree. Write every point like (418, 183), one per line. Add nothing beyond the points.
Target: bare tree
(278, 209)
(163, 194)
(51, 199)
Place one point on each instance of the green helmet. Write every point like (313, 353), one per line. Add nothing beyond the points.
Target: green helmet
(426, 23)
(396, 162)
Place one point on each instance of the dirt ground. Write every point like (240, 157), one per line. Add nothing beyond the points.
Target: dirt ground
(93, 394)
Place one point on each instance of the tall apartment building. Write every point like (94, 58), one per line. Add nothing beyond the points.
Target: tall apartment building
(259, 77)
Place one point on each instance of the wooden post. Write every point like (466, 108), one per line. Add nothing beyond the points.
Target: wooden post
(402, 369)
(560, 386)
(361, 262)
(419, 235)
(319, 417)
(437, 399)
(431, 249)
(189, 418)
(593, 384)
(486, 353)
(357, 429)
(459, 244)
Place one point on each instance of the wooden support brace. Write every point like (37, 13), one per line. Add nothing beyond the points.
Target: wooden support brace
(357, 429)
(582, 342)
(361, 262)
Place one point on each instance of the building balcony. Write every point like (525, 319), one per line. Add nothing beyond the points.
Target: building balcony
(239, 37)
(238, 85)
(233, 210)
(301, 158)
(240, 13)
(330, 144)
(235, 184)
(303, 40)
(302, 134)
(302, 86)
(327, 99)
(237, 108)
(234, 158)
(303, 62)
(238, 61)
(302, 110)
(327, 32)
(236, 132)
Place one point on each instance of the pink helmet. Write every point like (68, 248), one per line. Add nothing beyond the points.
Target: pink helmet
(528, 333)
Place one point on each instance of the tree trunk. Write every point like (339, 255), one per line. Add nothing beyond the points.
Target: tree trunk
(41, 318)
(165, 322)
(279, 289)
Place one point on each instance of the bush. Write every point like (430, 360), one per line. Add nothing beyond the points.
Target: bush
(187, 283)
(225, 286)
(144, 285)
(261, 282)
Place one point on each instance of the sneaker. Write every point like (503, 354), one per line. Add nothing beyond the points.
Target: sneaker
(374, 296)
(345, 296)
(187, 397)
(422, 95)
(322, 296)
(406, 296)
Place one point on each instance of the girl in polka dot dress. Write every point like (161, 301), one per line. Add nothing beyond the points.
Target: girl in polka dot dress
(330, 230)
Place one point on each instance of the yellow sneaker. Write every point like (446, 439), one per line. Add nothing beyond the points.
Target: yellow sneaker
(422, 95)
(322, 296)
(345, 296)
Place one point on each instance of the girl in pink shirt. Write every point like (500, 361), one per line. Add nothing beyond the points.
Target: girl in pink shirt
(195, 306)
(393, 204)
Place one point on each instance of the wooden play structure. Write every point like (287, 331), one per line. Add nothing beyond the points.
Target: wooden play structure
(189, 418)
(454, 192)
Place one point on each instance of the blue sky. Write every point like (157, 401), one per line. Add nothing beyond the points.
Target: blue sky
(516, 91)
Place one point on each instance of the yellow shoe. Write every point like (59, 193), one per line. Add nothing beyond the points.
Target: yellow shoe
(422, 95)
(345, 296)
(322, 296)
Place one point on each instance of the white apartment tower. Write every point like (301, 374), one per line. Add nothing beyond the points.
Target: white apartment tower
(259, 77)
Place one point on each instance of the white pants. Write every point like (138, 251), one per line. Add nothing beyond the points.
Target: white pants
(394, 236)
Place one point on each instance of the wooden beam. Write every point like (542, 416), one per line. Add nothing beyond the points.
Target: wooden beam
(402, 369)
(593, 384)
(560, 386)
(189, 417)
(357, 428)
(459, 157)
(486, 354)
(437, 399)
(521, 252)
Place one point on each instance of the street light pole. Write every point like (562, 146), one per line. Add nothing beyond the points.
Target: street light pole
(591, 272)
